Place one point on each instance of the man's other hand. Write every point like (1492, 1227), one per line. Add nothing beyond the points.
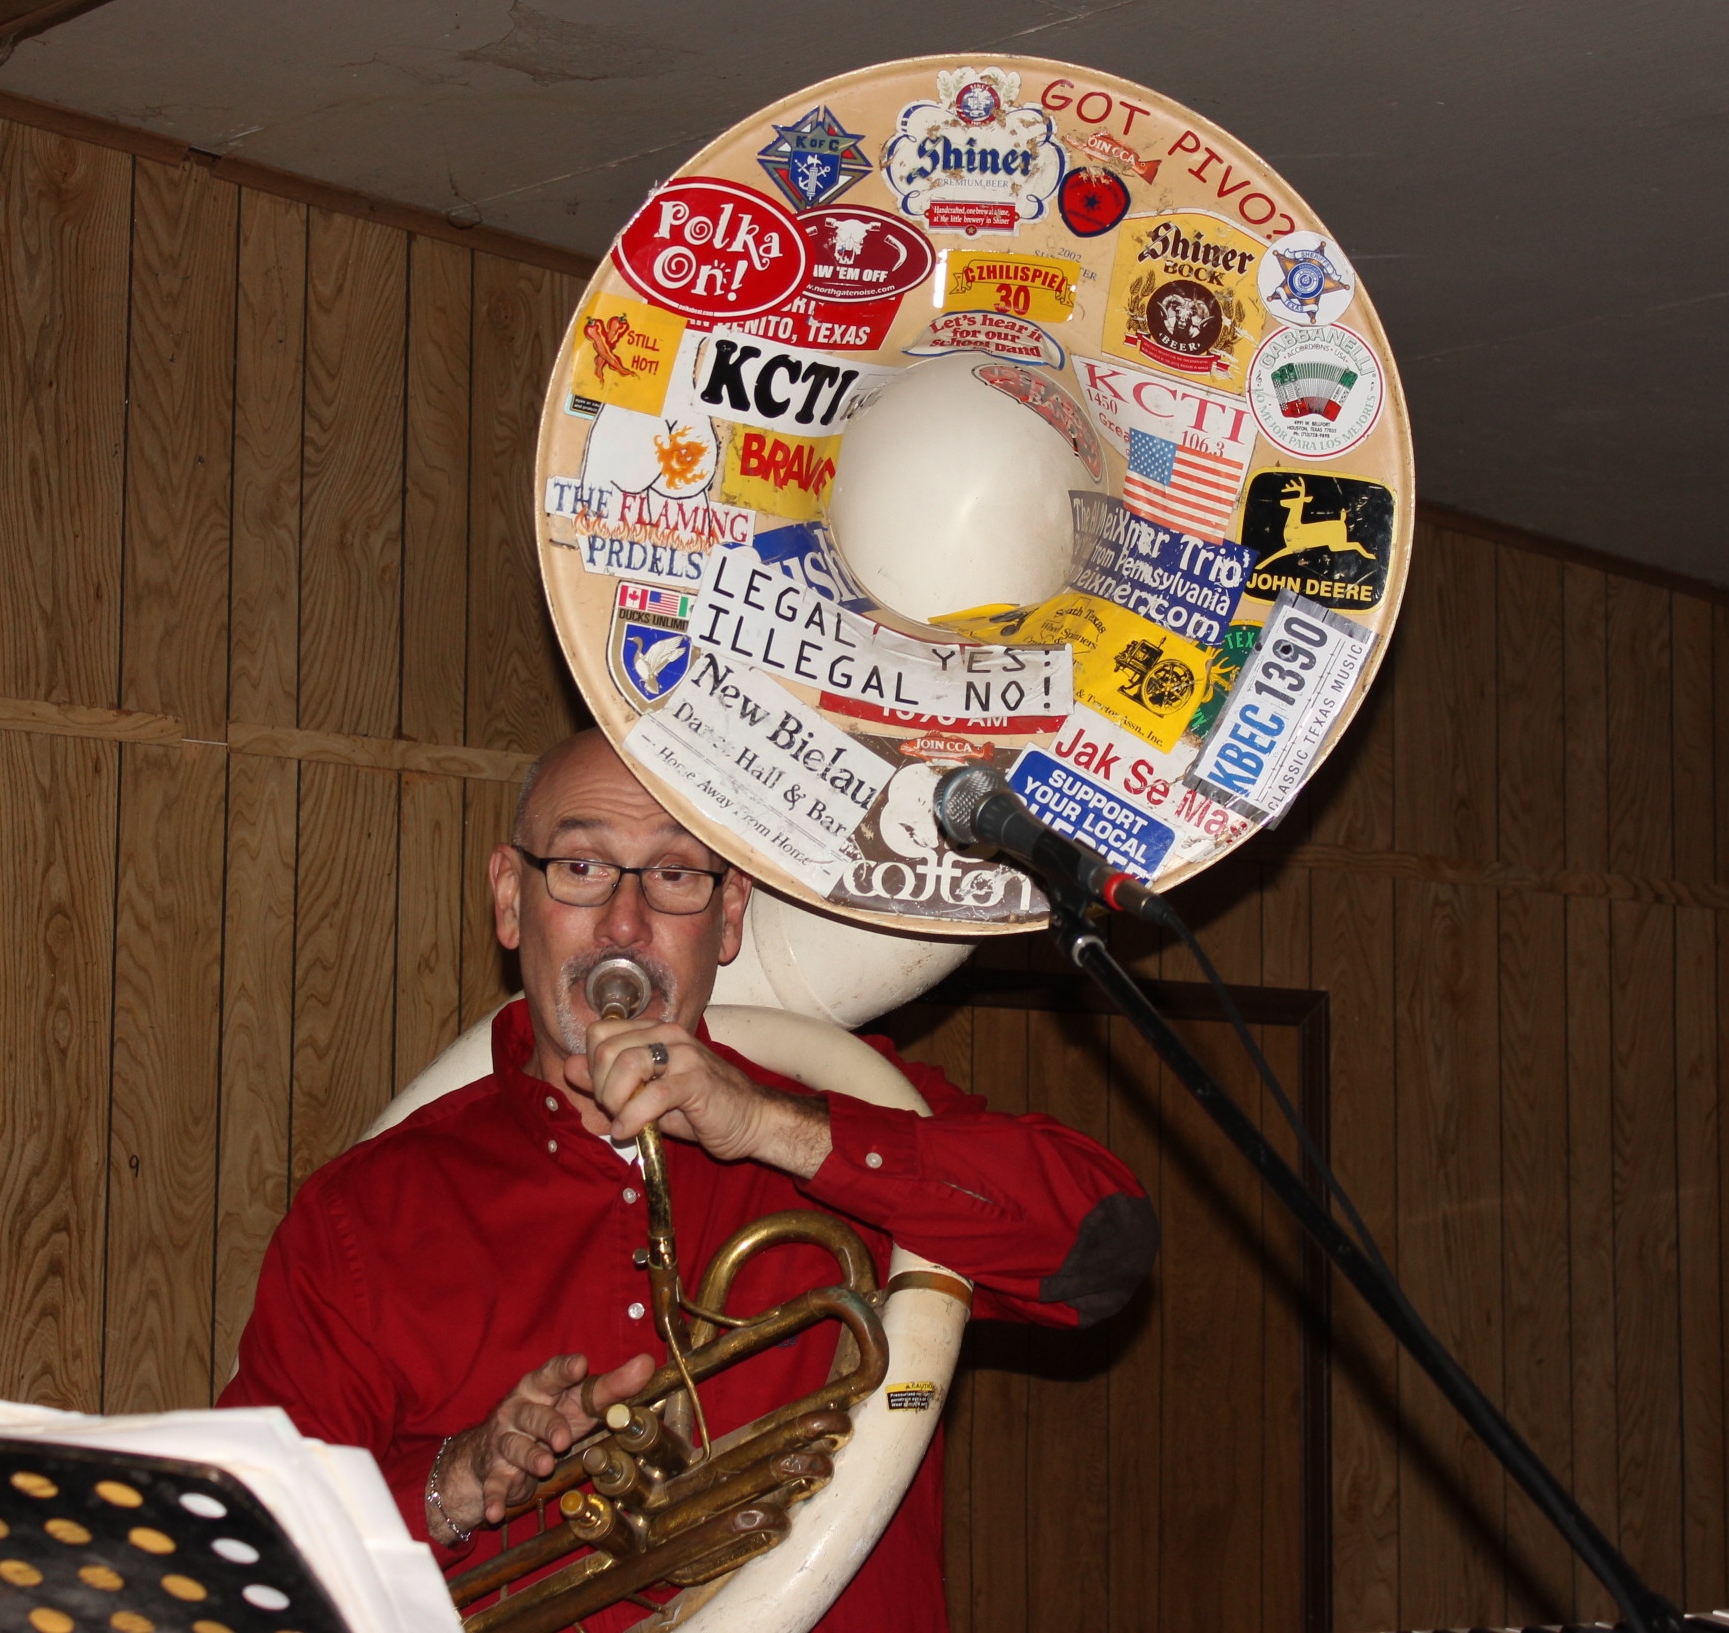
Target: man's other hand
(498, 1463)
(698, 1096)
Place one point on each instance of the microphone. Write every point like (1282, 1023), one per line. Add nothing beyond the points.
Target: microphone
(618, 989)
(975, 805)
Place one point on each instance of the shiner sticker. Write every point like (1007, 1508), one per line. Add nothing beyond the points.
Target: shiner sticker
(1290, 694)
(749, 612)
(977, 159)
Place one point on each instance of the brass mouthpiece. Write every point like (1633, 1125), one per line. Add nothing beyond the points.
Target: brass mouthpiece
(618, 989)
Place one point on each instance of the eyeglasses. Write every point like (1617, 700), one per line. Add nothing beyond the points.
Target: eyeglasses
(577, 881)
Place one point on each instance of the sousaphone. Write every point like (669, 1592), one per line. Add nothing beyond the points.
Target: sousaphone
(966, 409)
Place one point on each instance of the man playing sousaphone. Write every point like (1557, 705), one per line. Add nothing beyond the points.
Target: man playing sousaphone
(442, 1293)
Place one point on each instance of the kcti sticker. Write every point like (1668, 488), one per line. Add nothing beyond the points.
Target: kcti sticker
(1040, 287)
(624, 355)
(977, 159)
(1315, 392)
(1184, 297)
(1305, 279)
(712, 249)
(1328, 538)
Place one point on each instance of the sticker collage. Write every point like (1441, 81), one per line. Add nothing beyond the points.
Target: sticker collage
(1112, 264)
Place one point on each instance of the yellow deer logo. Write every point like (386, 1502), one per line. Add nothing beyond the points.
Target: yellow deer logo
(1305, 535)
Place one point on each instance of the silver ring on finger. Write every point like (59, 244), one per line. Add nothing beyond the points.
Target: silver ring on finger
(657, 1053)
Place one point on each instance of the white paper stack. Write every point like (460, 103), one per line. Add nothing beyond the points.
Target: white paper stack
(330, 1500)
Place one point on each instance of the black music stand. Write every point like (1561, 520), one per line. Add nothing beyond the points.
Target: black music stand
(115, 1540)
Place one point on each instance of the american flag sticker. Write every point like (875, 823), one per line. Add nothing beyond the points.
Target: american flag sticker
(1178, 486)
(648, 598)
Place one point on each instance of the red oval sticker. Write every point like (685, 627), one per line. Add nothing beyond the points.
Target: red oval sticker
(712, 249)
(861, 254)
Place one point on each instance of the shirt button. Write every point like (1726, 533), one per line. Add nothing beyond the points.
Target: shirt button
(873, 1159)
(552, 1145)
(551, 1104)
(637, 1311)
(630, 1193)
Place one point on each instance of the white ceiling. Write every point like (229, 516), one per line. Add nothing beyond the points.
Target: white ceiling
(1537, 195)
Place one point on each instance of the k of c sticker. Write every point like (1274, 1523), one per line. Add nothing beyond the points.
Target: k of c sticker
(913, 1397)
(1325, 537)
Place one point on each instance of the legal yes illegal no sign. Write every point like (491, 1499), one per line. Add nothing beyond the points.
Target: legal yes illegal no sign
(1288, 698)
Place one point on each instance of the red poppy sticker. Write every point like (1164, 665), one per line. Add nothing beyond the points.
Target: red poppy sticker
(1092, 201)
(712, 249)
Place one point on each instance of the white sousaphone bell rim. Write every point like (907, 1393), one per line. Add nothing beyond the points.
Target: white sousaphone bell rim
(616, 716)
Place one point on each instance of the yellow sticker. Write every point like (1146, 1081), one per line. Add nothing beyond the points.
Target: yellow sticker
(912, 1397)
(1128, 669)
(1185, 298)
(624, 355)
(1040, 287)
(783, 475)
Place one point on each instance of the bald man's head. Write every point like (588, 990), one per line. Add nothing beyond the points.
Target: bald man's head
(581, 801)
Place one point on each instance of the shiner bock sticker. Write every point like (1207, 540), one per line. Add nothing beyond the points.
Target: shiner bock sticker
(1315, 392)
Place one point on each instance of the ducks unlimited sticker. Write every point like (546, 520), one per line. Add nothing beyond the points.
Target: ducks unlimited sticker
(1185, 297)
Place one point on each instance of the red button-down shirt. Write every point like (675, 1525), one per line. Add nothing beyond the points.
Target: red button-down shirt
(418, 1276)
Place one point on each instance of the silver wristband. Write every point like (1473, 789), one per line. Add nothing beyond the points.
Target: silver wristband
(435, 1501)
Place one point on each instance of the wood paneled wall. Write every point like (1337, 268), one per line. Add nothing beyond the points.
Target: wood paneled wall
(272, 659)
(273, 653)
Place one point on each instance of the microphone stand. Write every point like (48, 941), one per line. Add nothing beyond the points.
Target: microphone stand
(1646, 1610)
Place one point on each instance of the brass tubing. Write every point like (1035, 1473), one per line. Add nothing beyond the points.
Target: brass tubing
(555, 1603)
(810, 1429)
(499, 1615)
(784, 1321)
(769, 1474)
(552, 1543)
(823, 1230)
